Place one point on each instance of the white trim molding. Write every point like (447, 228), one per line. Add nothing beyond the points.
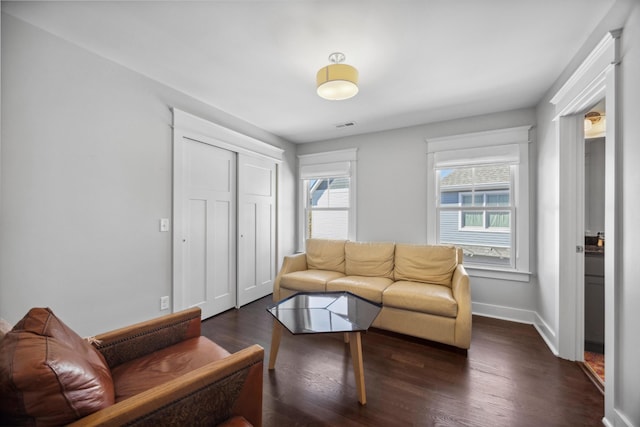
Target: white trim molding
(197, 128)
(570, 98)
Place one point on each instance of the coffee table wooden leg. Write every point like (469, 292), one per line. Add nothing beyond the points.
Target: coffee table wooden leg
(355, 342)
(276, 334)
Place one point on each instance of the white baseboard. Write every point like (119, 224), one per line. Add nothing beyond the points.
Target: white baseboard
(502, 312)
(518, 315)
(620, 420)
(547, 333)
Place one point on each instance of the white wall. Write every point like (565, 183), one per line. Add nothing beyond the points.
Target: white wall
(392, 189)
(548, 225)
(622, 404)
(85, 177)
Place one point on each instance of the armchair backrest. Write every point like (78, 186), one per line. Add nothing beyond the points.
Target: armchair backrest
(49, 375)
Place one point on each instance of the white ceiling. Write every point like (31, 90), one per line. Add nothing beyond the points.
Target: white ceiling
(419, 61)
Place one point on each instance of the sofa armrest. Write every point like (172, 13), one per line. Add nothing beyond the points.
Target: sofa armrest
(462, 294)
(206, 396)
(290, 263)
(124, 344)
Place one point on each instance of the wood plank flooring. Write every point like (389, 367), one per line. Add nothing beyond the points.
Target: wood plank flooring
(508, 377)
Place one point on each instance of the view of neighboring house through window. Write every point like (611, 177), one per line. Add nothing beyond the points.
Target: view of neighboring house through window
(327, 208)
(475, 212)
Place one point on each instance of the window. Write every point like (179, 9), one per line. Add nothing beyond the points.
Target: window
(327, 209)
(479, 199)
(488, 217)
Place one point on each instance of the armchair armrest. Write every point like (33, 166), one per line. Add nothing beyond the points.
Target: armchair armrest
(206, 396)
(290, 263)
(124, 344)
(462, 294)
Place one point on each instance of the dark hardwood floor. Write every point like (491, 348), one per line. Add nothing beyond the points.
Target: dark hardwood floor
(508, 377)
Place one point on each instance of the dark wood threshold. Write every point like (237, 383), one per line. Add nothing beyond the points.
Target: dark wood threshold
(595, 379)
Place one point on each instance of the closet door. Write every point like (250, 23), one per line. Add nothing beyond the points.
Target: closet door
(256, 227)
(208, 228)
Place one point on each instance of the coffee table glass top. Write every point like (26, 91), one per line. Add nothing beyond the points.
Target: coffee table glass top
(322, 312)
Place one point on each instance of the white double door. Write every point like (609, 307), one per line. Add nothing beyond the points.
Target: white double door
(227, 229)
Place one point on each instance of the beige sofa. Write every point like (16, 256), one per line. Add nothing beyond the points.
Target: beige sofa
(423, 289)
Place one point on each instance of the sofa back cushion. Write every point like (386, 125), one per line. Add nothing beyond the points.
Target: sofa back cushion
(369, 259)
(49, 375)
(325, 254)
(425, 263)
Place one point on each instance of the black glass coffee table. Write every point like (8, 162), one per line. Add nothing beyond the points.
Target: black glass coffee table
(325, 312)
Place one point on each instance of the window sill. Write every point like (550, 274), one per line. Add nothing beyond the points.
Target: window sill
(495, 273)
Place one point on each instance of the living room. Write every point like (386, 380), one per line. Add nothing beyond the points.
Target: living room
(86, 173)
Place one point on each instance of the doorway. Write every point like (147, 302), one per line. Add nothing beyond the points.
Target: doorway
(594, 243)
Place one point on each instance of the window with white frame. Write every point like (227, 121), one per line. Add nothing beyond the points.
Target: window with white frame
(479, 196)
(327, 209)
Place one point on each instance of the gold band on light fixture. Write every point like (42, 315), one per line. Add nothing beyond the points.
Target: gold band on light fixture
(337, 81)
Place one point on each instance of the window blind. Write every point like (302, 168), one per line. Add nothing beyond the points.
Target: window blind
(326, 170)
(477, 156)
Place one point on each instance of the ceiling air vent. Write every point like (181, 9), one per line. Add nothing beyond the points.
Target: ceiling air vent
(345, 125)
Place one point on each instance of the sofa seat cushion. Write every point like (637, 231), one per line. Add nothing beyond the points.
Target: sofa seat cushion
(138, 375)
(370, 288)
(309, 280)
(369, 259)
(49, 375)
(325, 254)
(421, 297)
(425, 263)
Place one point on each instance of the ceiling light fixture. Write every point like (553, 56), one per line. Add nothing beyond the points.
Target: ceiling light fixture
(591, 118)
(337, 81)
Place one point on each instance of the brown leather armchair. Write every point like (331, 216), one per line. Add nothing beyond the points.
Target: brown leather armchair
(160, 372)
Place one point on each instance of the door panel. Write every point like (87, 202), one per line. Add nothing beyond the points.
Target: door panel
(209, 228)
(257, 228)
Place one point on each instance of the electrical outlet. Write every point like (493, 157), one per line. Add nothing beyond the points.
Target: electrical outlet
(164, 303)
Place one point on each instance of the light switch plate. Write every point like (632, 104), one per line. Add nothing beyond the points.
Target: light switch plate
(164, 224)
